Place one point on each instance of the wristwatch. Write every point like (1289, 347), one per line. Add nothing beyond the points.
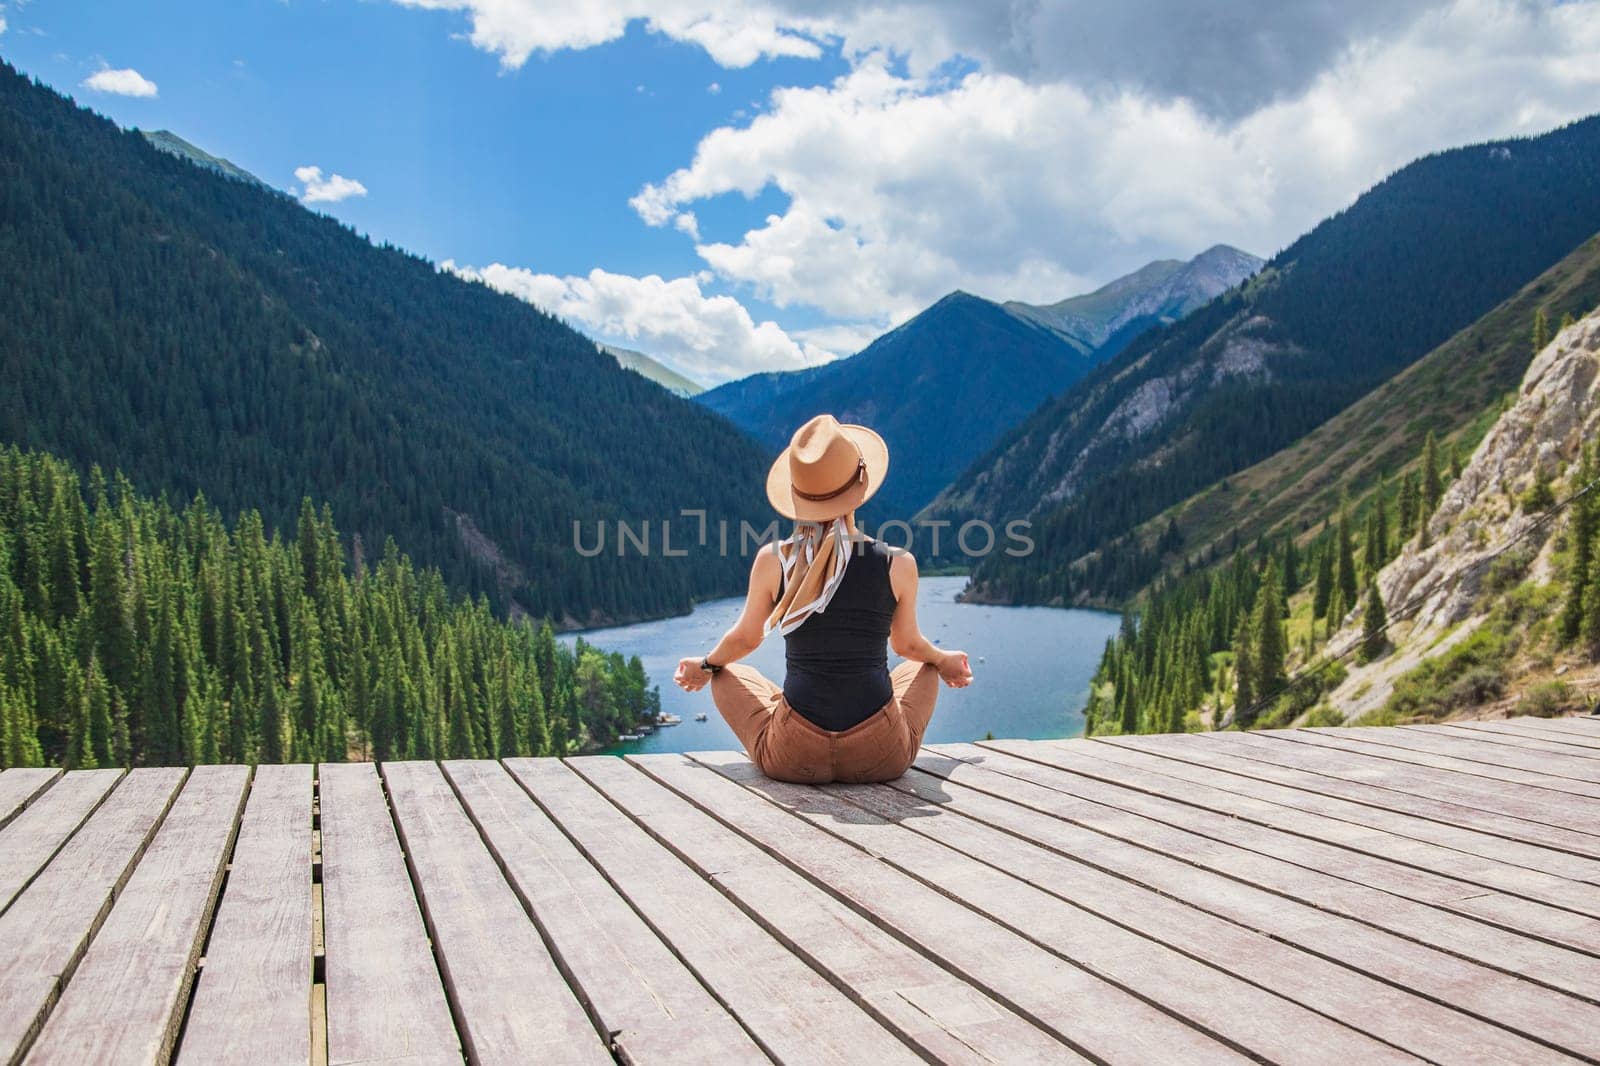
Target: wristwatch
(709, 667)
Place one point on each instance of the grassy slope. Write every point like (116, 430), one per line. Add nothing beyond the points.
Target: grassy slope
(1455, 391)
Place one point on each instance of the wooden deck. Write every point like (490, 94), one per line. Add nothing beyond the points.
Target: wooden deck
(1350, 896)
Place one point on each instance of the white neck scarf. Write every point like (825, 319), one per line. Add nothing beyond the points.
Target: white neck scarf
(814, 559)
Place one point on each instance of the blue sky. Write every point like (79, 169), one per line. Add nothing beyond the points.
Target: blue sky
(734, 187)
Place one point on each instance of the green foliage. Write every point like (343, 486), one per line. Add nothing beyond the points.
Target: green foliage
(1374, 623)
(1541, 330)
(1471, 673)
(1540, 495)
(1322, 717)
(204, 334)
(1582, 533)
(1547, 699)
(192, 642)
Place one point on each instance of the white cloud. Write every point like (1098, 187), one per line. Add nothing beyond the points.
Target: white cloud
(734, 35)
(125, 82)
(711, 338)
(714, 88)
(902, 187)
(2, 24)
(1033, 150)
(330, 189)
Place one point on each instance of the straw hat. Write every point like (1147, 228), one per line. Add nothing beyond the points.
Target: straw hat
(827, 470)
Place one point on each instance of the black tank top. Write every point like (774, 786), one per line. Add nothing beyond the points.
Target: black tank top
(838, 661)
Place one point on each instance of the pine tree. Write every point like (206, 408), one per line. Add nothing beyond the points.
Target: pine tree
(97, 693)
(1322, 596)
(1410, 505)
(1582, 533)
(274, 725)
(1374, 623)
(1271, 648)
(1590, 630)
(1244, 673)
(1344, 568)
(1432, 483)
(1541, 330)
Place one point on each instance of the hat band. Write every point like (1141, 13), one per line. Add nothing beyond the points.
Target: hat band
(817, 497)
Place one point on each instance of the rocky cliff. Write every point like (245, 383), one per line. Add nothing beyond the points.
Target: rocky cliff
(1487, 537)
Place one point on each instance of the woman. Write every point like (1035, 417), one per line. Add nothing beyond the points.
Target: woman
(837, 597)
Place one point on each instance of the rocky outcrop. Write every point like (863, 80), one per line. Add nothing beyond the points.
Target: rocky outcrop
(1480, 524)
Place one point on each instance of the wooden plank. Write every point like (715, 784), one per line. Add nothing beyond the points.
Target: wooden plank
(949, 965)
(1513, 813)
(35, 835)
(45, 932)
(1539, 790)
(1391, 1014)
(940, 1013)
(1401, 815)
(1307, 771)
(385, 1000)
(1276, 1029)
(1502, 756)
(1576, 742)
(1052, 820)
(793, 1011)
(127, 996)
(253, 999)
(1576, 725)
(1206, 790)
(1434, 909)
(20, 786)
(637, 990)
(1514, 734)
(512, 1002)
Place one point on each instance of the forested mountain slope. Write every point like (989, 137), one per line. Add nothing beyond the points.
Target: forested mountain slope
(1462, 584)
(1421, 255)
(945, 385)
(1454, 390)
(135, 634)
(200, 333)
(938, 388)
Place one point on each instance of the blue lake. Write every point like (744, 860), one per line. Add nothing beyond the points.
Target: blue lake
(1032, 667)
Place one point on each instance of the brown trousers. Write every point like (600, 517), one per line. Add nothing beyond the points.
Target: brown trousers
(788, 747)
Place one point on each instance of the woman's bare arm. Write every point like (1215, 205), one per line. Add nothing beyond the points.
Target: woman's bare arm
(905, 635)
(744, 636)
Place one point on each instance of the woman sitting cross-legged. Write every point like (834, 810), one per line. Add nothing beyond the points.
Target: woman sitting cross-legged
(838, 598)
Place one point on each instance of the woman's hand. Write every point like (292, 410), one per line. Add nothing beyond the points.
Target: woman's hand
(955, 670)
(689, 676)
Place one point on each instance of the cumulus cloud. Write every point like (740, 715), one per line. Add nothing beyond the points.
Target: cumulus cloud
(1226, 58)
(734, 35)
(124, 82)
(1034, 150)
(330, 189)
(901, 187)
(710, 337)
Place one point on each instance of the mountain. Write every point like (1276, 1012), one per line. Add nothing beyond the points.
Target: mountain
(943, 386)
(1421, 255)
(1454, 392)
(659, 373)
(205, 335)
(1158, 293)
(939, 389)
(172, 144)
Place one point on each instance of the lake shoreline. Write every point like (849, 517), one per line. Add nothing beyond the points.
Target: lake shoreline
(1033, 668)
